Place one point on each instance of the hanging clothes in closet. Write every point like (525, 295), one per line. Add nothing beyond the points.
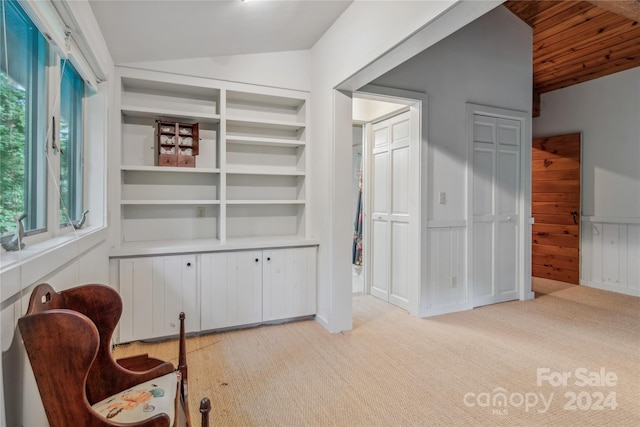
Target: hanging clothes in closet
(356, 251)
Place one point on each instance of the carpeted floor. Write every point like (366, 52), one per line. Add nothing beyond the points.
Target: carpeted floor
(478, 367)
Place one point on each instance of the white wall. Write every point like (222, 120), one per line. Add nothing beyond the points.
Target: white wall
(22, 405)
(487, 62)
(366, 41)
(368, 37)
(66, 262)
(289, 70)
(607, 112)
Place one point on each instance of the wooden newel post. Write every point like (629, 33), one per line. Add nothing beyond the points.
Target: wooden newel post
(205, 408)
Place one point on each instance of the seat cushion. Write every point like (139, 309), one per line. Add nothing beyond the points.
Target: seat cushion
(157, 396)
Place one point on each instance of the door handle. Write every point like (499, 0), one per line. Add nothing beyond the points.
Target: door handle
(575, 216)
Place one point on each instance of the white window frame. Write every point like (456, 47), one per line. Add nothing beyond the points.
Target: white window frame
(47, 251)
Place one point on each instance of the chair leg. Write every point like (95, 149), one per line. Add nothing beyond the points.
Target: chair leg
(205, 403)
(205, 408)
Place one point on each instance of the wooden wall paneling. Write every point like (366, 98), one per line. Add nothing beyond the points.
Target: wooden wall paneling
(590, 38)
(555, 195)
(590, 32)
(553, 219)
(563, 21)
(628, 8)
(552, 273)
(554, 186)
(559, 261)
(593, 60)
(576, 41)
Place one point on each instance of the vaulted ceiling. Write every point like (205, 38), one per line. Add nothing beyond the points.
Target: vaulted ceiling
(576, 41)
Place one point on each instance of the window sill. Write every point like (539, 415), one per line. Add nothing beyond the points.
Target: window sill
(20, 269)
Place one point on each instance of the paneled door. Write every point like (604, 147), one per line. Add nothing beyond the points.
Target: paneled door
(390, 209)
(496, 212)
(555, 192)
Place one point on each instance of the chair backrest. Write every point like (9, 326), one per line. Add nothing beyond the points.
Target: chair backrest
(103, 306)
(61, 345)
(67, 336)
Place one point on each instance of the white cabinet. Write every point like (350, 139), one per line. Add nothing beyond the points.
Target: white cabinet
(154, 291)
(231, 289)
(288, 283)
(248, 287)
(215, 290)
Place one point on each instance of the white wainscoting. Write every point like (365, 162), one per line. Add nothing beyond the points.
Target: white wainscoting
(611, 254)
(445, 288)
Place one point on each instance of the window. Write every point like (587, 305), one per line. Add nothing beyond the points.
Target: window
(23, 122)
(71, 96)
(42, 114)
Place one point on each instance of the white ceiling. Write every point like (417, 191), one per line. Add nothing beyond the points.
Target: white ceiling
(155, 30)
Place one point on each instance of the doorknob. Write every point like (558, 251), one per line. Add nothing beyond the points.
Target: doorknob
(575, 216)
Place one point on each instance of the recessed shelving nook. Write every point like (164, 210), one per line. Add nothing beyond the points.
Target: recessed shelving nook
(223, 234)
(249, 173)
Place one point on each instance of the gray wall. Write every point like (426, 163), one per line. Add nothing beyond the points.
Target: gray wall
(488, 62)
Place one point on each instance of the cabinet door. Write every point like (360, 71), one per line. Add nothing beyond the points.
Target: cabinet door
(231, 289)
(154, 292)
(289, 283)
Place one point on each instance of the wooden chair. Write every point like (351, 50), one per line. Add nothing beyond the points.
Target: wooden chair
(67, 336)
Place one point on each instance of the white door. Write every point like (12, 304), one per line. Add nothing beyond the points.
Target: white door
(390, 171)
(231, 289)
(495, 207)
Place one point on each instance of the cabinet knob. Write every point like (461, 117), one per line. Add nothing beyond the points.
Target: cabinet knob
(188, 264)
(257, 260)
(268, 258)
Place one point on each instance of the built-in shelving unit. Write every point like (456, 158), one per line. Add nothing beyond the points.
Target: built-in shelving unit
(250, 174)
(211, 235)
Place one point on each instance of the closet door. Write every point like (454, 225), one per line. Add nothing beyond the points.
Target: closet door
(496, 184)
(390, 210)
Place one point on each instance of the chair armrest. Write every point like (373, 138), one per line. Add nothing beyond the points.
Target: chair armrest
(142, 362)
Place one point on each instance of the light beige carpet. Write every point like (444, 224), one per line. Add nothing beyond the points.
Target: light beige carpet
(396, 370)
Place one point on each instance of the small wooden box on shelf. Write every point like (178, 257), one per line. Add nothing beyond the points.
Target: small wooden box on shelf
(177, 144)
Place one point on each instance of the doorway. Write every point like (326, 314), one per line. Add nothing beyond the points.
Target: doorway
(555, 205)
(386, 250)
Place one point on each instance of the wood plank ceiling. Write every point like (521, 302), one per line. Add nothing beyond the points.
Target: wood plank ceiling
(576, 41)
